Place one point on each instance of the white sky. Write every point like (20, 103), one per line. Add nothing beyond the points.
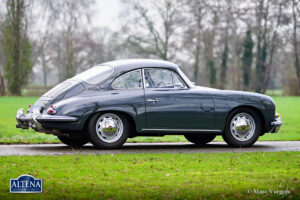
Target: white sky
(107, 14)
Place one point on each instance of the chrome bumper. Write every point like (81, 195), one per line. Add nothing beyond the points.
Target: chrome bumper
(275, 125)
(34, 120)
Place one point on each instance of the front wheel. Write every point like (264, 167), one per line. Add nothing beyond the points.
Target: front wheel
(200, 139)
(74, 141)
(108, 130)
(243, 128)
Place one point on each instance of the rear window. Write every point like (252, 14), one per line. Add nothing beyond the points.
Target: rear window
(57, 89)
(95, 74)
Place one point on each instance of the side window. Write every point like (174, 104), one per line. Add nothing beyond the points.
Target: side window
(162, 78)
(129, 80)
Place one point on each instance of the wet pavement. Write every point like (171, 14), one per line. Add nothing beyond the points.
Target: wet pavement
(178, 147)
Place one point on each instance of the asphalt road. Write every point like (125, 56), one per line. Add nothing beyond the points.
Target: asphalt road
(178, 147)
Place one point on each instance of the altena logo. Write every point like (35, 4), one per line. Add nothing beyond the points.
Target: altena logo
(26, 184)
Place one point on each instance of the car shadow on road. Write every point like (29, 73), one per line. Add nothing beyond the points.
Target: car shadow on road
(155, 147)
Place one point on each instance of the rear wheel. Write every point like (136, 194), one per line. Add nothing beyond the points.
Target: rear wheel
(108, 130)
(243, 128)
(74, 141)
(200, 139)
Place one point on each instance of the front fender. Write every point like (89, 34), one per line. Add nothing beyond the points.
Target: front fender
(225, 104)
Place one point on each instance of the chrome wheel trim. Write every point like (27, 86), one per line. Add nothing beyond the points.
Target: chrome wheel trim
(242, 127)
(109, 127)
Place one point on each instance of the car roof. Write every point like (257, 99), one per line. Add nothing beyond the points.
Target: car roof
(130, 64)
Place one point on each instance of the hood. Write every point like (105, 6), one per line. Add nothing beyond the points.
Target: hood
(237, 95)
(243, 96)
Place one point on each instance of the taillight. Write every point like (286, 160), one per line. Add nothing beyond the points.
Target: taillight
(51, 110)
(28, 109)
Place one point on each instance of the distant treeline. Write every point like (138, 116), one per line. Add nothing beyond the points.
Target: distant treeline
(228, 44)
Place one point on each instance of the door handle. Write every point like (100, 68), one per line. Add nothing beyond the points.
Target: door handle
(152, 100)
(207, 108)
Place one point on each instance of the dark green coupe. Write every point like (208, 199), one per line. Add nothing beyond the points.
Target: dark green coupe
(127, 98)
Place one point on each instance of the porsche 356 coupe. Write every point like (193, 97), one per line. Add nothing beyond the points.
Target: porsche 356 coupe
(113, 101)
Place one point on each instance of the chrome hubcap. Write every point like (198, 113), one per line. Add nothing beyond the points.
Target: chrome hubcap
(109, 127)
(242, 126)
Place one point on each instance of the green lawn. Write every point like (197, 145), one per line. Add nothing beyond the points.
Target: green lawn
(288, 107)
(157, 176)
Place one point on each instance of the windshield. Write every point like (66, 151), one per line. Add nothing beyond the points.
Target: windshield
(95, 74)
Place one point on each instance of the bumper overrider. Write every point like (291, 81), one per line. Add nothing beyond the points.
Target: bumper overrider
(35, 119)
(275, 125)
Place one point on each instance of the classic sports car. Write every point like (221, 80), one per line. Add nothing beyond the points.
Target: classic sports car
(127, 98)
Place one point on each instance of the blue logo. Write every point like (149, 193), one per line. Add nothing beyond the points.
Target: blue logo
(26, 184)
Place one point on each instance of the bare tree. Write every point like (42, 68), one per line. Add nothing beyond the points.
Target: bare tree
(154, 37)
(296, 15)
(70, 16)
(209, 40)
(193, 40)
(17, 47)
(273, 41)
(2, 58)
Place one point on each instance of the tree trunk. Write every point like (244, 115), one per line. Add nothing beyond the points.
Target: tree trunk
(44, 67)
(295, 44)
(198, 46)
(2, 85)
(272, 52)
(224, 66)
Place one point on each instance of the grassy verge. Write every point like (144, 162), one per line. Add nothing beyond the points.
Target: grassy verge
(157, 176)
(288, 107)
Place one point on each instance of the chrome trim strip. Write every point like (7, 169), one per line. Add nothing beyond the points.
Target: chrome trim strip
(53, 118)
(182, 130)
(143, 77)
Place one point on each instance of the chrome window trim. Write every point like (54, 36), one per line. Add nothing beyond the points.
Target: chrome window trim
(143, 77)
(172, 71)
(142, 87)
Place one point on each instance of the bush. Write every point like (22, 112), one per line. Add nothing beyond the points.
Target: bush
(292, 87)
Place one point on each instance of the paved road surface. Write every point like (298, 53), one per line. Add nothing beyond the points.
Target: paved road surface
(178, 147)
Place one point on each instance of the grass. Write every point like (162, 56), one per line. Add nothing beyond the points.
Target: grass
(288, 107)
(157, 176)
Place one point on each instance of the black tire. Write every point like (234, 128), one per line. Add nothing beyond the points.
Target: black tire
(200, 139)
(228, 135)
(99, 142)
(74, 141)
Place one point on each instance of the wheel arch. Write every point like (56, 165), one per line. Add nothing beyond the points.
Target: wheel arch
(131, 119)
(253, 108)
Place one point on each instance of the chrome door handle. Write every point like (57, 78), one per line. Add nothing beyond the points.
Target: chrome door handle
(152, 100)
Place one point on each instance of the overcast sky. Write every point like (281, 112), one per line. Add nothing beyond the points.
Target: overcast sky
(107, 14)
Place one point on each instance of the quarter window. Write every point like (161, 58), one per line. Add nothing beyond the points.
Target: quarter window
(162, 78)
(130, 80)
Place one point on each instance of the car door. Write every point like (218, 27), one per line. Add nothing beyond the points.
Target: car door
(128, 95)
(170, 104)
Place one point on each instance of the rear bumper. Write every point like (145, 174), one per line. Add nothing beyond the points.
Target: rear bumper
(34, 120)
(275, 125)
